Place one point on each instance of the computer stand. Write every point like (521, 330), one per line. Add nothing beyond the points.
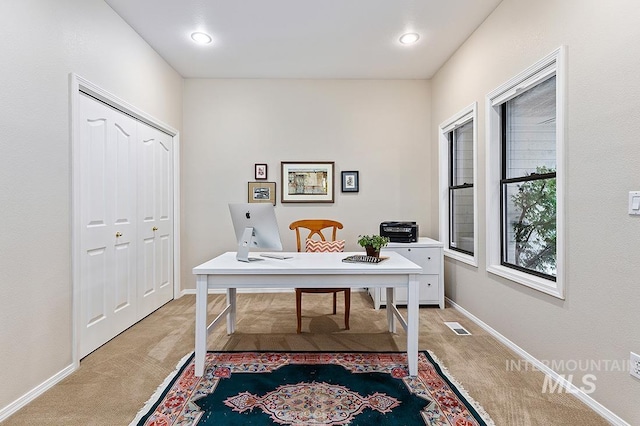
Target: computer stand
(244, 245)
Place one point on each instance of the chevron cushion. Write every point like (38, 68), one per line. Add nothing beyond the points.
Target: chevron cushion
(316, 246)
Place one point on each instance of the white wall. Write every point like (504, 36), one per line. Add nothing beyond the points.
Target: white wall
(42, 42)
(380, 128)
(599, 319)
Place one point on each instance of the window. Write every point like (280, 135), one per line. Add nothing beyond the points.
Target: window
(528, 183)
(458, 201)
(524, 177)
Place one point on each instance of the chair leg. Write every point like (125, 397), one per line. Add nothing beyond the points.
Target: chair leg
(299, 309)
(335, 297)
(347, 307)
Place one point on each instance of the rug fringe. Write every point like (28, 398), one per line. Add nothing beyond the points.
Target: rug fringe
(159, 390)
(476, 405)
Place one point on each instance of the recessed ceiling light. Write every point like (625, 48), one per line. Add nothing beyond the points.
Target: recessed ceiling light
(409, 38)
(201, 38)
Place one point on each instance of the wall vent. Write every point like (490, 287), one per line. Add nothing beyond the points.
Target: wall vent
(457, 328)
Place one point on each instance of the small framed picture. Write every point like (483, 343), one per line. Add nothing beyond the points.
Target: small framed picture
(261, 172)
(262, 192)
(350, 181)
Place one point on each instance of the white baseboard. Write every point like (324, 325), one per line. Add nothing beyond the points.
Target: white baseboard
(603, 411)
(10, 409)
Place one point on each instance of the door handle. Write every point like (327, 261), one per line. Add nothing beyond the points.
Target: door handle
(118, 234)
(155, 228)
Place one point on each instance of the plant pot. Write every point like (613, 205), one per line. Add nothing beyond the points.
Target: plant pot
(372, 251)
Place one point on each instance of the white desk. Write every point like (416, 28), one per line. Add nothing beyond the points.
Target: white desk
(311, 270)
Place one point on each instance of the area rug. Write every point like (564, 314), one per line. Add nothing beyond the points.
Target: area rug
(311, 388)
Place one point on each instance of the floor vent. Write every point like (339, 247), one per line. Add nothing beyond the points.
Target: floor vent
(457, 328)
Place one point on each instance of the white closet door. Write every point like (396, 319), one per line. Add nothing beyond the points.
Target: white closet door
(155, 218)
(108, 225)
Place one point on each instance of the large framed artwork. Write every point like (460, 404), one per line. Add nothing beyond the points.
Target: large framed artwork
(262, 192)
(307, 181)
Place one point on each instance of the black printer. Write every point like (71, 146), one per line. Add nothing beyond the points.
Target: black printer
(400, 232)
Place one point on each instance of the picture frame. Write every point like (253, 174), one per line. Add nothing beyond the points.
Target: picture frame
(261, 192)
(350, 181)
(307, 181)
(260, 172)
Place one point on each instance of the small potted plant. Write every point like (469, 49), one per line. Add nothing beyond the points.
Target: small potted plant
(373, 243)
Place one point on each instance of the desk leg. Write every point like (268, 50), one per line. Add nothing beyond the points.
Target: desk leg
(201, 324)
(412, 324)
(231, 316)
(391, 301)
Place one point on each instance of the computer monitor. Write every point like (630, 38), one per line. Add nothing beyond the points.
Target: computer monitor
(256, 227)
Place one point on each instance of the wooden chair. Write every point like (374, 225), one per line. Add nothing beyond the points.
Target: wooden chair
(315, 228)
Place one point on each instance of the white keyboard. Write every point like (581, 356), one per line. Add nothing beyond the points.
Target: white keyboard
(276, 256)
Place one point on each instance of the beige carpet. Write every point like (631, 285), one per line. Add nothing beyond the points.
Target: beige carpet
(114, 382)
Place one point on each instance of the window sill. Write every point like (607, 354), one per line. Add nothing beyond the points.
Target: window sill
(464, 258)
(553, 288)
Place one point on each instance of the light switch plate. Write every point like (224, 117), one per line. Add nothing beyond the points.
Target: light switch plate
(634, 366)
(634, 202)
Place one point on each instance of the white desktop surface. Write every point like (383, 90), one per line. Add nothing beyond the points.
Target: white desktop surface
(312, 270)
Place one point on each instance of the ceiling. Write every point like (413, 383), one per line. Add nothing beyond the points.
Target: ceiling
(305, 38)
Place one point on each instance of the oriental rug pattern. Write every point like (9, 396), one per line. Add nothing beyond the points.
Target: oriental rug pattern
(311, 388)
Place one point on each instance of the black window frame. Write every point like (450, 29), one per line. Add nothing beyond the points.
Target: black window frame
(451, 188)
(504, 181)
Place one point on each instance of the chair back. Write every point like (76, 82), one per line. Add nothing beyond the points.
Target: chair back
(315, 227)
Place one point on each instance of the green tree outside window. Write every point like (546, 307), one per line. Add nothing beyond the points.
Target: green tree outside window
(535, 227)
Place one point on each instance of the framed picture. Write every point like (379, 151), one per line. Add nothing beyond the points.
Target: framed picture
(307, 181)
(260, 172)
(262, 192)
(350, 182)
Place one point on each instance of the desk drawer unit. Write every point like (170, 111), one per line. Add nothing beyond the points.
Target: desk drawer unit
(428, 254)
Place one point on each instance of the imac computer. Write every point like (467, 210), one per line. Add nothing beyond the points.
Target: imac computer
(256, 227)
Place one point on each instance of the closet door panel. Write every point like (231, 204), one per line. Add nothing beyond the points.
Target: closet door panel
(95, 172)
(165, 217)
(166, 259)
(155, 218)
(125, 177)
(107, 223)
(95, 286)
(164, 160)
(124, 277)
